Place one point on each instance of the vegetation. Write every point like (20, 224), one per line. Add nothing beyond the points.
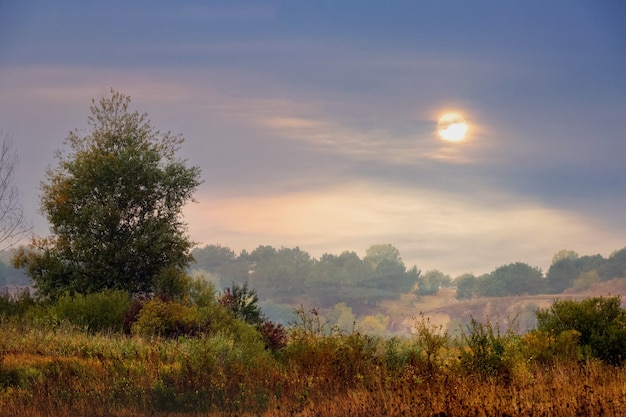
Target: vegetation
(599, 322)
(114, 203)
(119, 326)
(182, 358)
(12, 223)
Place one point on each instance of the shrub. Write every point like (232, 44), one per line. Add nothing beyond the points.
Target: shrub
(96, 312)
(330, 360)
(15, 305)
(242, 303)
(274, 335)
(169, 319)
(546, 348)
(485, 351)
(600, 321)
(431, 339)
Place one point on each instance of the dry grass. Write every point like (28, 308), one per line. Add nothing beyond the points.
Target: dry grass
(591, 390)
(64, 372)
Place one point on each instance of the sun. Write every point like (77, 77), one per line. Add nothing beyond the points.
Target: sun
(452, 127)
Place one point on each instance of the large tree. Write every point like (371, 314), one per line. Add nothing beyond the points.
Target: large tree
(114, 203)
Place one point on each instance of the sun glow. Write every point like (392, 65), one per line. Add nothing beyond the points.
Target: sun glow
(452, 127)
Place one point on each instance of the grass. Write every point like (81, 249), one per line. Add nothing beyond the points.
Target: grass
(64, 371)
(53, 366)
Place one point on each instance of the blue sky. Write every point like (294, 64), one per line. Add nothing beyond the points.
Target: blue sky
(314, 122)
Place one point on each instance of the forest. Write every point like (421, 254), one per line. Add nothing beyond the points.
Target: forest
(347, 289)
(289, 277)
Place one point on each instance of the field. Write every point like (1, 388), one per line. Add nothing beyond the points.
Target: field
(62, 370)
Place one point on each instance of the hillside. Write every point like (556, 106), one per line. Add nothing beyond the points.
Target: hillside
(444, 309)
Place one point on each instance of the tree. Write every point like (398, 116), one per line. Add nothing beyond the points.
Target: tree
(465, 285)
(564, 254)
(243, 303)
(614, 266)
(564, 272)
(429, 283)
(12, 224)
(280, 273)
(114, 203)
(512, 279)
(212, 257)
(378, 253)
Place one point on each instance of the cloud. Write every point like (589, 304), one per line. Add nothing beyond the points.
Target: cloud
(334, 170)
(433, 230)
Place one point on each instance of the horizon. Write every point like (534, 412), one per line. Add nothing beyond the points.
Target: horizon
(317, 124)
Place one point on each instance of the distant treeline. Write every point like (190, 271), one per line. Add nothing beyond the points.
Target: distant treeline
(291, 274)
(568, 270)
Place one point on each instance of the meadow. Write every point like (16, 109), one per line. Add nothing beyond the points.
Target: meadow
(53, 365)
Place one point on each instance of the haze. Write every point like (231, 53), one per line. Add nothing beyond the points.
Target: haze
(315, 123)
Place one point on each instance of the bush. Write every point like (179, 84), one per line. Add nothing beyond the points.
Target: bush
(15, 305)
(169, 319)
(329, 360)
(600, 321)
(96, 312)
(485, 351)
(547, 349)
(431, 340)
(274, 335)
(242, 304)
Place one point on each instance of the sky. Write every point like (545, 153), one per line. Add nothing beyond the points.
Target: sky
(315, 122)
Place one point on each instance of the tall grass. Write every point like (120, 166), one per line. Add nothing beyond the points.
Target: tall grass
(60, 368)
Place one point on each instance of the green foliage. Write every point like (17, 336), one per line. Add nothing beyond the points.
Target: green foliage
(172, 282)
(212, 257)
(392, 277)
(342, 317)
(600, 321)
(169, 319)
(513, 279)
(95, 312)
(114, 203)
(227, 368)
(486, 351)
(429, 283)
(431, 339)
(242, 303)
(564, 271)
(376, 254)
(586, 280)
(201, 292)
(547, 348)
(465, 286)
(614, 266)
(564, 254)
(15, 305)
(279, 273)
